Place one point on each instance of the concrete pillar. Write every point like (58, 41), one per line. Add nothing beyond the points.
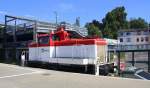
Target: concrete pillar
(97, 70)
(86, 69)
(133, 60)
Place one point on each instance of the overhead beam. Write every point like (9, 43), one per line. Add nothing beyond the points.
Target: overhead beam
(10, 20)
(20, 18)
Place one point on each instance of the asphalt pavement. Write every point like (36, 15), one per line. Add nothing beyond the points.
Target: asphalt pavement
(13, 76)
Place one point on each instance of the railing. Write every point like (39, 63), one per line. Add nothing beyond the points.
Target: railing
(134, 47)
(112, 47)
(18, 44)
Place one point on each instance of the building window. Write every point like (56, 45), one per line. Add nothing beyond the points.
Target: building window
(121, 34)
(146, 32)
(138, 33)
(43, 40)
(128, 33)
(128, 40)
(121, 39)
(146, 39)
(142, 39)
(137, 39)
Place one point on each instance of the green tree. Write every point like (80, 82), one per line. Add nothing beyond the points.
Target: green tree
(1, 30)
(96, 27)
(93, 30)
(138, 23)
(113, 21)
(98, 24)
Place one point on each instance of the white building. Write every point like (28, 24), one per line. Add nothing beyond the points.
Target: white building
(134, 37)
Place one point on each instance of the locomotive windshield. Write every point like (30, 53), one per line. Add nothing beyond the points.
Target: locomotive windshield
(43, 40)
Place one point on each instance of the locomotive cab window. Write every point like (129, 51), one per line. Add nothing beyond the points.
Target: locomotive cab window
(55, 37)
(43, 40)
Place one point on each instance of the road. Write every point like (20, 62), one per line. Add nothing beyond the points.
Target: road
(12, 76)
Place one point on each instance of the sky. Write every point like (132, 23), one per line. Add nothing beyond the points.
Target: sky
(69, 10)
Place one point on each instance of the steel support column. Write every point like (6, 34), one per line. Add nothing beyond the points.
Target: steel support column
(119, 63)
(5, 39)
(35, 32)
(133, 60)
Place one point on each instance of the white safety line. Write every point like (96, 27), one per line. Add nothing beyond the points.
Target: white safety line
(33, 71)
(19, 67)
(20, 74)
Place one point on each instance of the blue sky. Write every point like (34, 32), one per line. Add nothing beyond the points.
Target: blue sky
(68, 10)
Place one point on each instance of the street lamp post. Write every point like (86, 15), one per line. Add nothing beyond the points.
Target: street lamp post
(56, 16)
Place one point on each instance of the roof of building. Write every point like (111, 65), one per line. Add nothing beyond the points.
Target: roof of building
(111, 41)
